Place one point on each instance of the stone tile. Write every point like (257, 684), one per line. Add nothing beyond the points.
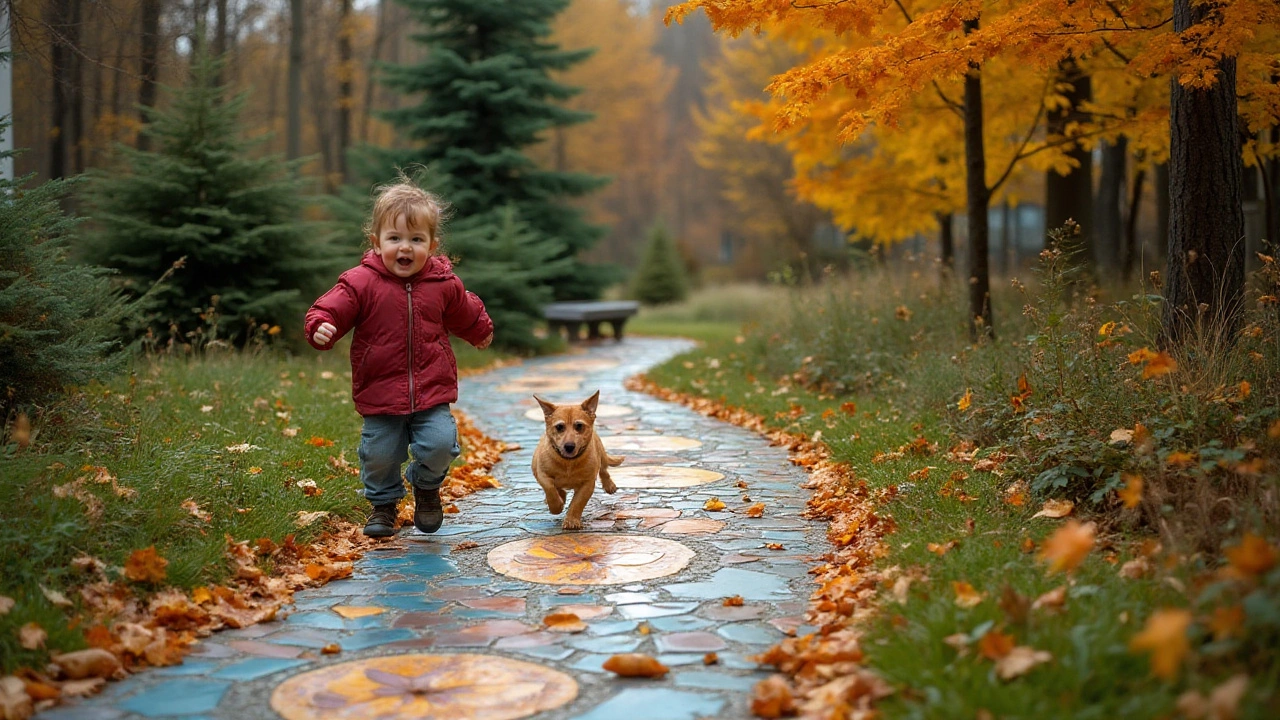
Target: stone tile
(528, 640)
(630, 598)
(373, 638)
(406, 587)
(306, 638)
(734, 581)
(655, 704)
(330, 621)
(178, 697)
(733, 614)
(206, 649)
(678, 659)
(750, 633)
(465, 581)
(546, 652)
(89, 711)
(788, 625)
(459, 593)
(422, 620)
(714, 681)
(188, 667)
(265, 649)
(592, 663)
(653, 610)
(736, 559)
(611, 627)
(689, 642)
(412, 603)
(608, 644)
(586, 612)
(505, 605)
(255, 668)
(678, 623)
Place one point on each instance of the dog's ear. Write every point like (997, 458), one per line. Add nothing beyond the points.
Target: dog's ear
(590, 403)
(547, 408)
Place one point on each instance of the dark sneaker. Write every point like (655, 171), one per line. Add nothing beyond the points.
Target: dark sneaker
(428, 516)
(382, 521)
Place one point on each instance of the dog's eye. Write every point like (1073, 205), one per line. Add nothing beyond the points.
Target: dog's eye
(579, 426)
(559, 427)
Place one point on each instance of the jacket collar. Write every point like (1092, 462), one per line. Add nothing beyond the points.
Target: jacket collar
(438, 267)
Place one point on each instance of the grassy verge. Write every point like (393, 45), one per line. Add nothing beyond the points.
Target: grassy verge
(178, 455)
(967, 556)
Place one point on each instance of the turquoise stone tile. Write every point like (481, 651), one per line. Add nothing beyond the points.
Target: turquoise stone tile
(739, 662)
(630, 598)
(473, 614)
(373, 638)
(645, 611)
(498, 533)
(412, 603)
(178, 697)
(591, 662)
(655, 704)
(725, 582)
(429, 565)
(611, 627)
(188, 667)
(781, 536)
(446, 531)
(324, 602)
(346, 587)
(465, 581)
(714, 681)
(405, 587)
(551, 601)
(255, 668)
(610, 644)
(678, 623)
(677, 659)
(303, 638)
(333, 621)
(81, 712)
(546, 652)
(749, 633)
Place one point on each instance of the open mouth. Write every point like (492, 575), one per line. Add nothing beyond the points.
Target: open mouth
(404, 262)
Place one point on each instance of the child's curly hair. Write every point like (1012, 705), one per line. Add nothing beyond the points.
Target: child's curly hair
(421, 209)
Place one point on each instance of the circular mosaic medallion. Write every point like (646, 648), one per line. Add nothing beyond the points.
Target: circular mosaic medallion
(604, 411)
(585, 364)
(659, 476)
(424, 686)
(645, 443)
(589, 559)
(541, 384)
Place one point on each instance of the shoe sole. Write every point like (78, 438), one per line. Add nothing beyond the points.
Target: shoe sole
(379, 532)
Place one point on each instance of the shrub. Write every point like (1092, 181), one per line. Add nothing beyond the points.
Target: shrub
(661, 276)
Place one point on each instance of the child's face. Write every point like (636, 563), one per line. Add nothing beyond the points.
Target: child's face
(404, 250)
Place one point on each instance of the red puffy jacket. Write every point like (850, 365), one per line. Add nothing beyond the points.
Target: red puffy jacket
(401, 362)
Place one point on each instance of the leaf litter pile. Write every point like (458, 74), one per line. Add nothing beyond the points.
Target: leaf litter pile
(131, 619)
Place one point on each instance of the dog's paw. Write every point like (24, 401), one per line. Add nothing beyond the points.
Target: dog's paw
(572, 524)
(608, 486)
(556, 509)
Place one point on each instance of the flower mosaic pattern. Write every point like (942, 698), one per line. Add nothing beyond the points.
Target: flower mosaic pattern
(659, 476)
(441, 687)
(542, 384)
(648, 443)
(589, 559)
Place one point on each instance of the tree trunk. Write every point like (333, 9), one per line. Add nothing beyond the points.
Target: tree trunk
(1205, 287)
(978, 197)
(1162, 210)
(379, 36)
(148, 63)
(1270, 188)
(1070, 196)
(1108, 221)
(76, 89)
(346, 73)
(1132, 247)
(947, 243)
(220, 38)
(57, 14)
(293, 126)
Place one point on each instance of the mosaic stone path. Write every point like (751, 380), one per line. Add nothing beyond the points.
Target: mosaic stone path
(427, 630)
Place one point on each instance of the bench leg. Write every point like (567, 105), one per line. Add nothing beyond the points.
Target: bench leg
(617, 328)
(575, 331)
(593, 330)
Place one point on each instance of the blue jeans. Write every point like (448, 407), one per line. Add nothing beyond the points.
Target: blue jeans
(431, 435)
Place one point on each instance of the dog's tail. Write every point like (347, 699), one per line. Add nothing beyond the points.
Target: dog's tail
(614, 461)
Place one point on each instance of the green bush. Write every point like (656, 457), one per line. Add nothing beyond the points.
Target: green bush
(661, 277)
(58, 319)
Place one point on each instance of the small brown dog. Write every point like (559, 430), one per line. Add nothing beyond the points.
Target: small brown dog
(570, 456)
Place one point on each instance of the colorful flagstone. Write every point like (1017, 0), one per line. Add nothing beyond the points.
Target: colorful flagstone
(589, 559)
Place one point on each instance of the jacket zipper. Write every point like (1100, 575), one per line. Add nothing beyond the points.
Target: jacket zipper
(408, 287)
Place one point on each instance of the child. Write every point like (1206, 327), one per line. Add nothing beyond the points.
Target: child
(403, 301)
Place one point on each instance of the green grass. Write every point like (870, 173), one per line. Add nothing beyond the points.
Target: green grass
(1093, 674)
(164, 432)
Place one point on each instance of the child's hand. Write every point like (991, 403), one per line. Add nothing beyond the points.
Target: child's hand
(324, 334)
(486, 342)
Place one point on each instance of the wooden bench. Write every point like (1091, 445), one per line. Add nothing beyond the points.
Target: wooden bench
(572, 315)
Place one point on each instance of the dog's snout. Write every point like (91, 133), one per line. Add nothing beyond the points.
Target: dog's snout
(569, 447)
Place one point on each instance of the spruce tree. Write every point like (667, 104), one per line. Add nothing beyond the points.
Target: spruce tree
(486, 94)
(661, 276)
(58, 319)
(200, 195)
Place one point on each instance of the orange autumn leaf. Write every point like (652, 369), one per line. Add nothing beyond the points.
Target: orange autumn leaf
(1165, 638)
(1226, 622)
(1252, 557)
(1131, 494)
(848, 408)
(995, 645)
(965, 400)
(710, 659)
(1024, 387)
(146, 565)
(772, 698)
(1055, 509)
(635, 665)
(331, 649)
(1020, 661)
(98, 636)
(317, 441)
(756, 510)
(733, 601)
(1068, 546)
(1157, 364)
(566, 622)
(713, 505)
(1180, 459)
(966, 595)
(1141, 355)
(941, 549)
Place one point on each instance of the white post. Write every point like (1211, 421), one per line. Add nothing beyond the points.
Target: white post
(6, 91)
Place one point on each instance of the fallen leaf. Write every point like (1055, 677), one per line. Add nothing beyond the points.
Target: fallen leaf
(995, 645)
(41, 691)
(564, 622)
(1068, 546)
(1055, 599)
(306, 518)
(1020, 661)
(55, 597)
(1055, 509)
(710, 659)
(466, 545)
(965, 400)
(774, 546)
(635, 665)
(1014, 604)
(191, 507)
(146, 565)
(1135, 569)
(351, 612)
(6, 604)
(1121, 437)
(317, 441)
(1252, 557)
(755, 511)
(733, 601)
(331, 649)
(1131, 494)
(242, 448)
(1165, 637)
(31, 636)
(941, 549)
(772, 698)
(713, 505)
(966, 595)
(1226, 622)
(83, 688)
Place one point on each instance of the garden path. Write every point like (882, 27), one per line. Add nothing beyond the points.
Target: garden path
(428, 629)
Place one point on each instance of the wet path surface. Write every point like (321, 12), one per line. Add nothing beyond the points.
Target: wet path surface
(428, 629)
